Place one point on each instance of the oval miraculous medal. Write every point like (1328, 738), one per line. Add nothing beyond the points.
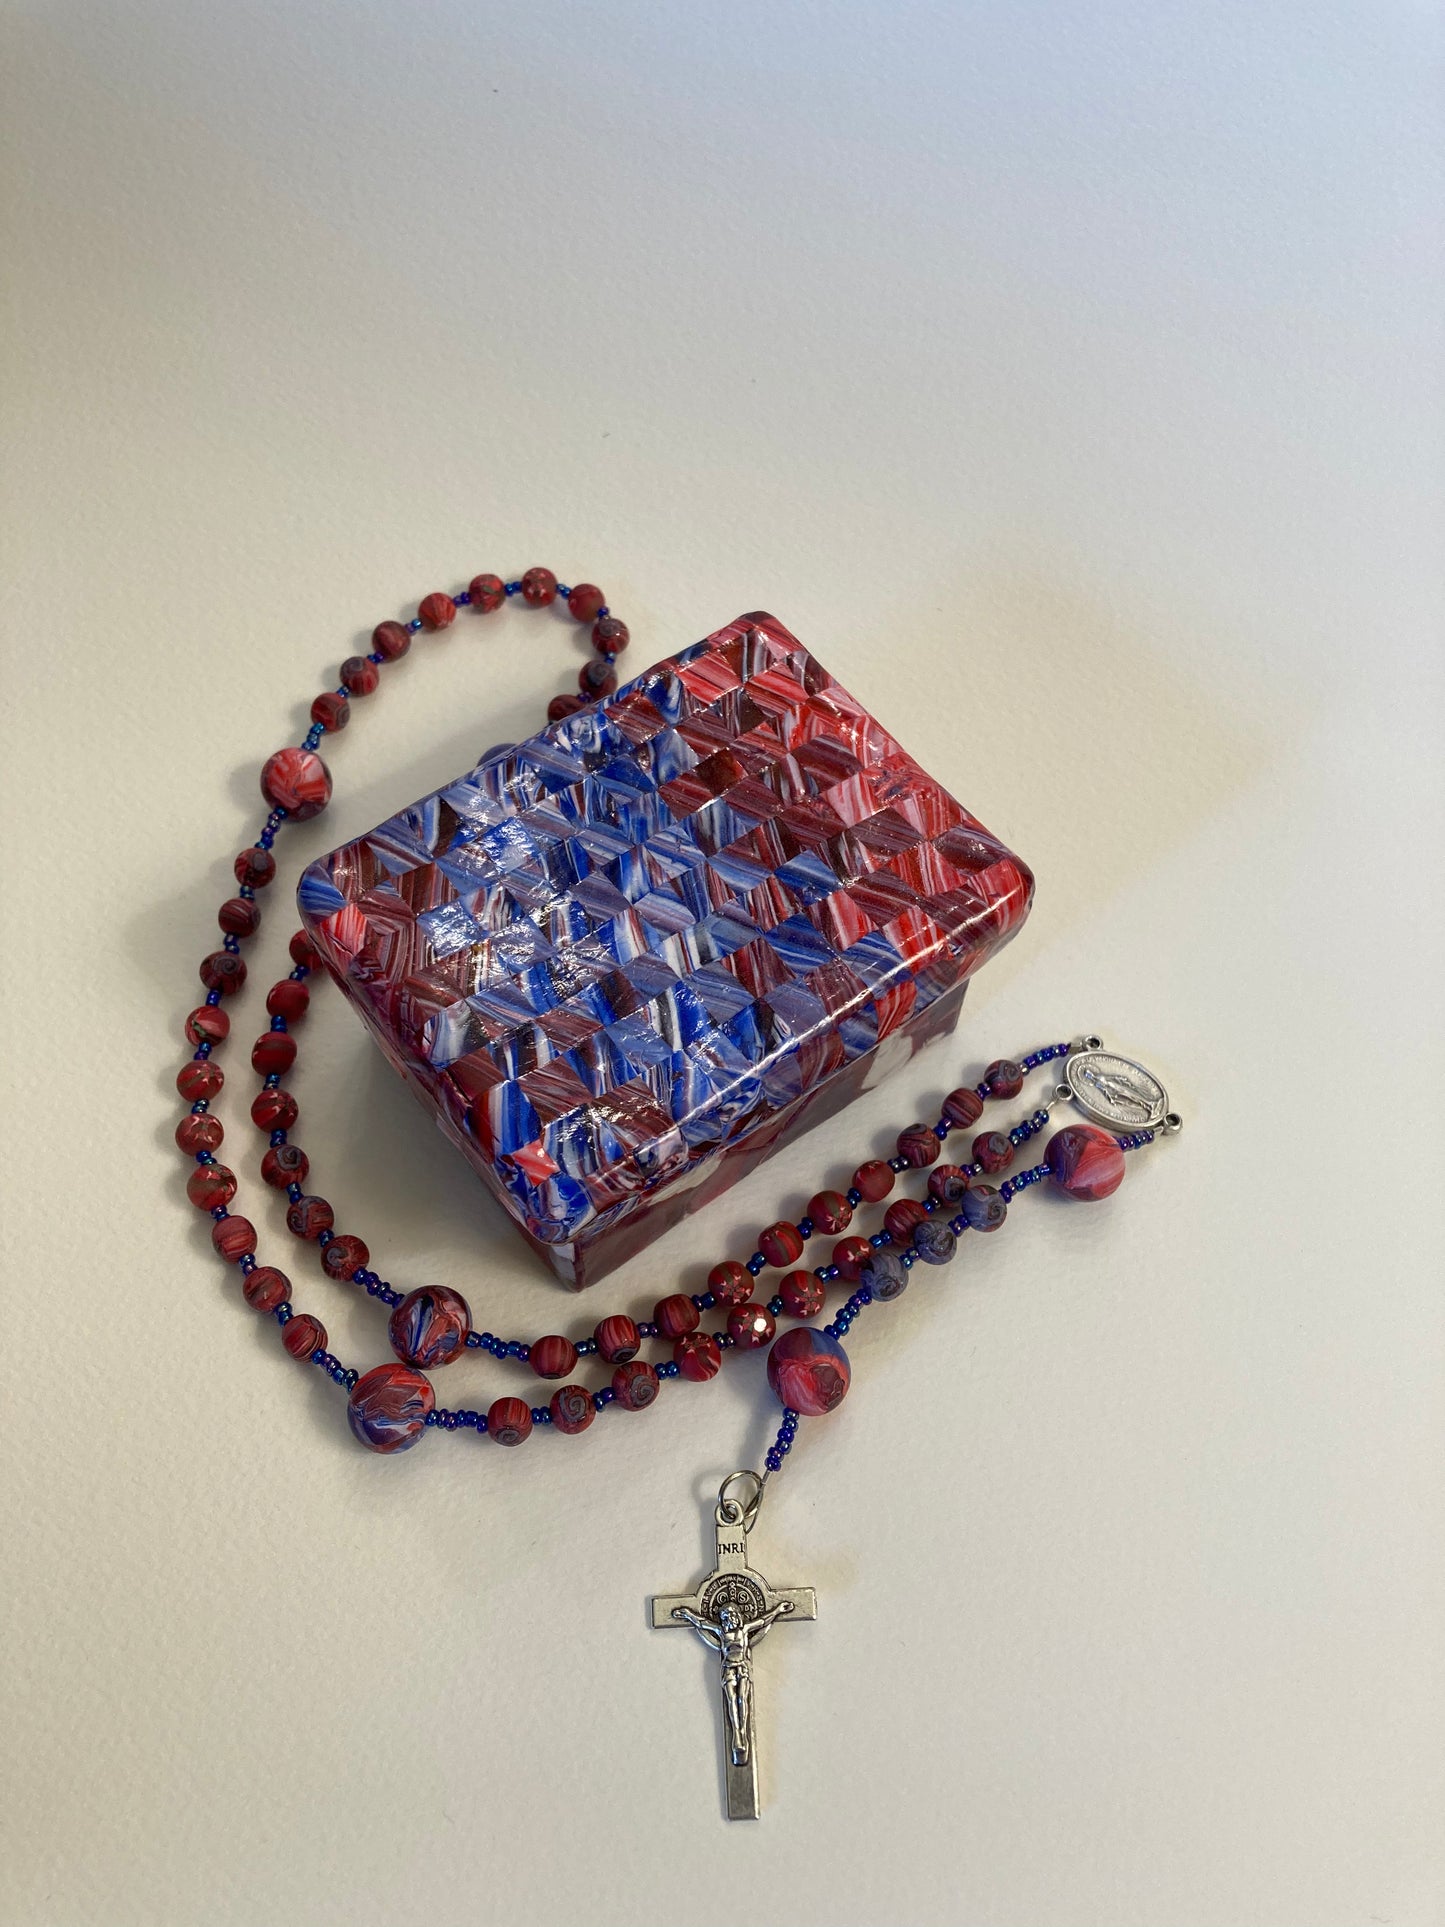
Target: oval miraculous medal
(1115, 1091)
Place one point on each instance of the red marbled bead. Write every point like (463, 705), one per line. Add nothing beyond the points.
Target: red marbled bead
(274, 1109)
(850, 1255)
(308, 1217)
(571, 1408)
(809, 1371)
(360, 675)
(561, 707)
(302, 951)
(436, 611)
(234, 1238)
(609, 636)
(962, 1108)
(698, 1356)
(635, 1385)
(199, 1132)
(802, 1293)
(303, 1336)
(273, 1051)
(289, 999)
(900, 1218)
(830, 1212)
(750, 1326)
(675, 1316)
(389, 1407)
(331, 710)
(552, 1356)
(730, 1283)
(207, 1024)
(430, 1326)
(265, 1288)
(488, 593)
(781, 1243)
(390, 639)
(223, 970)
(297, 781)
(255, 867)
(584, 601)
(617, 1339)
(918, 1145)
(342, 1257)
(210, 1185)
(1085, 1162)
(1004, 1078)
(992, 1150)
(239, 917)
(509, 1421)
(947, 1183)
(539, 587)
(199, 1078)
(596, 678)
(874, 1179)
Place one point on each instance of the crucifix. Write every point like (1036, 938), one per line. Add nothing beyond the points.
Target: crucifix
(730, 1611)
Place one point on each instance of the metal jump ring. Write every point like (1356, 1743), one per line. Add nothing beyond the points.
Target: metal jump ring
(733, 1511)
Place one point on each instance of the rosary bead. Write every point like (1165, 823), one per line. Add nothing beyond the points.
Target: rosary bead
(802, 1293)
(781, 1243)
(617, 1339)
(207, 1024)
(390, 639)
(993, 1151)
(273, 1051)
(947, 1183)
(288, 999)
(509, 1421)
(199, 1133)
(698, 1356)
(488, 593)
(199, 1079)
(933, 1242)
(223, 970)
(830, 1212)
(360, 675)
(553, 1356)
(255, 868)
(874, 1180)
(239, 917)
(1084, 1162)
(1003, 1078)
(609, 636)
(982, 1209)
(561, 707)
(234, 1238)
(571, 1408)
(596, 678)
(265, 1288)
(584, 601)
(389, 1407)
(809, 1371)
(210, 1185)
(331, 710)
(297, 781)
(635, 1385)
(917, 1146)
(750, 1326)
(429, 1327)
(539, 587)
(962, 1108)
(309, 1217)
(343, 1257)
(849, 1256)
(900, 1219)
(303, 1336)
(729, 1283)
(303, 952)
(436, 610)
(274, 1109)
(885, 1276)
(675, 1316)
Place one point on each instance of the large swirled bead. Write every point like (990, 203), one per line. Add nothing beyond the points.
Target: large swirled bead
(1085, 1162)
(809, 1371)
(389, 1407)
(430, 1326)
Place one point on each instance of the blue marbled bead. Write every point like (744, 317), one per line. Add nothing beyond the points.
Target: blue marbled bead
(933, 1242)
(884, 1276)
(982, 1209)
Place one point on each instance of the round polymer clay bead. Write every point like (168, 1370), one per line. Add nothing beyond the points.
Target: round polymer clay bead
(265, 1288)
(900, 1218)
(698, 1356)
(596, 678)
(675, 1316)
(781, 1243)
(308, 1217)
(274, 1109)
(509, 1421)
(436, 610)
(297, 781)
(802, 1293)
(288, 999)
(360, 675)
(947, 1183)
(239, 917)
(233, 1238)
(750, 1326)
(918, 1145)
(272, 1052)
(389, 1407)
(993, 1151)
(561, 707)
(571, 1408)
(488, 593)
(830, 1212)
(809, 1371)
(933, 1242)
(223, 970)
(390, 639)
(885, 1276)
(539, 587)
(303, 1336)
(729, 1283)
(962, 1108)
(207, 1024)
(1004, 1078)
(553, 1356)
(199, 1079)
(1084, 1162)
(875, 1180)
(609, 636)
(635, 1385)
(429, 1327)
(343, 1257)
(303, 951)
(850, 1255)
(199, 1133)
(331, 710)
(255, 867)
(584, 601)
(982, 1208)
(618, 1339)
(210, 1185)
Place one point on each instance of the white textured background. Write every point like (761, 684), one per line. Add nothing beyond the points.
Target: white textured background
(1069, 377)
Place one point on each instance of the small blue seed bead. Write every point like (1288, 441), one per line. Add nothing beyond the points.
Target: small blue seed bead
(757, 1263)
(855, 1198)
(775, 1306)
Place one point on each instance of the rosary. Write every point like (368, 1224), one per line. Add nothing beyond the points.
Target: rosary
(1116, 1107)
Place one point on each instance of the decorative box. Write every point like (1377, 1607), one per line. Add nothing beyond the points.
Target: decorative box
(624, 961)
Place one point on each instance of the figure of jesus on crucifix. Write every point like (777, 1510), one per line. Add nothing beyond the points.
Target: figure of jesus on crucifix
(731, 1637)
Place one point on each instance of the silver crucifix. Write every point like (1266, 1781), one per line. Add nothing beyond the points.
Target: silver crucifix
(730, 1611)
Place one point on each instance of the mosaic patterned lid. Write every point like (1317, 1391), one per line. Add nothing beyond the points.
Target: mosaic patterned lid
(609, 953)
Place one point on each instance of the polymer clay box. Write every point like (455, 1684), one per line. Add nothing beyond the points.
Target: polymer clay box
(624, 961)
